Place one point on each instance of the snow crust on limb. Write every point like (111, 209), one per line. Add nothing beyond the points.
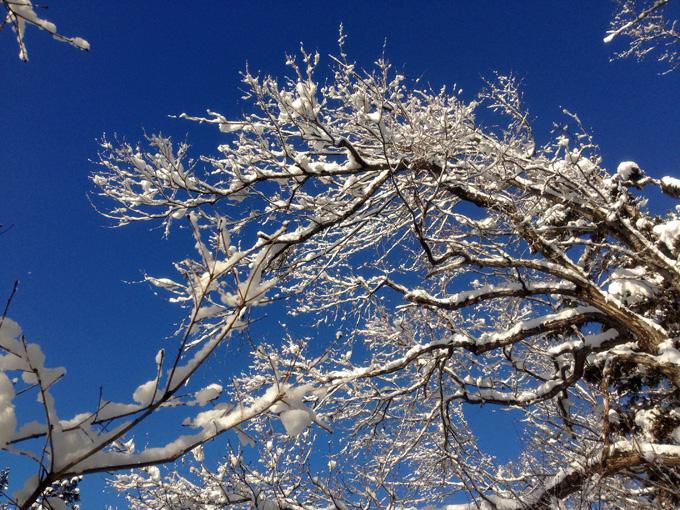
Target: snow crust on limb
(19, 13)
(671, 185)
(295, 421)
(621, 452)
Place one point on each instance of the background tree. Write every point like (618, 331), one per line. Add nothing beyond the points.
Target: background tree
(461, 264)
(648, 30)
(643, 22)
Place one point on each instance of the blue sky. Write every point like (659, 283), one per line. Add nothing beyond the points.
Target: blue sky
(156, 58)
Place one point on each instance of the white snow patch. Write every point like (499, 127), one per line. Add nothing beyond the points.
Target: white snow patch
(613, 417)
(10, 331)
(632, 285)
(374, 116)
(295, 421)
(154, 473)
(293, 413)
(145, 392)
(8, 419)
(198, 453)
(668, 233)
(646, 419)
(210, 392)
(596, 341)
(668, 353)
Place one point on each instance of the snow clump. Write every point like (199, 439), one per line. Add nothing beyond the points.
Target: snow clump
(671, 186)
(294, 415)
(9, 333)
(668, 233)
(145, 392)
(210, 392)
(632, 285)
(628, 170)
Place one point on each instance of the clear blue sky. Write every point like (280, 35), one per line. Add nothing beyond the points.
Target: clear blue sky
(155, 58)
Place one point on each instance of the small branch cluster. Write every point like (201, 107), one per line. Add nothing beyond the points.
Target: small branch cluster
(648, 31)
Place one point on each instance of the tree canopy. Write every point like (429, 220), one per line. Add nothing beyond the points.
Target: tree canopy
(443, 257)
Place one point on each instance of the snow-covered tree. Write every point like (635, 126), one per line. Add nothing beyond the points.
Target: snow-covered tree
(648, 29)
(434, 257)
(20, 13)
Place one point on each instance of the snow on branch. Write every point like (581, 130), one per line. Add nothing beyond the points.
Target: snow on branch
(20, 13)
(91, 441)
